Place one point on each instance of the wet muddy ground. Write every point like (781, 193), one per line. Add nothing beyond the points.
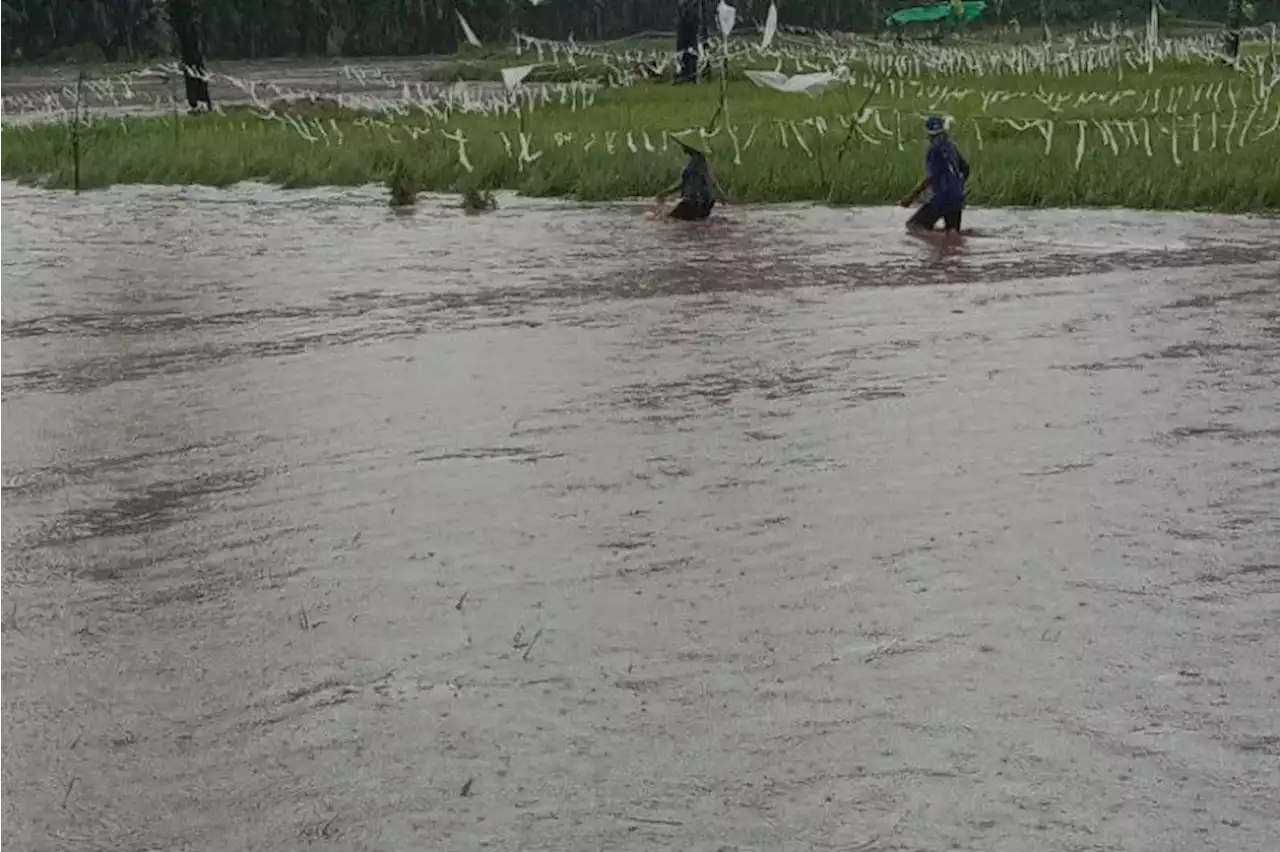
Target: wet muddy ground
(559, 528)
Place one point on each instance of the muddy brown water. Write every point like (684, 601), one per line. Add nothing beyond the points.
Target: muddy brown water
(558, 528)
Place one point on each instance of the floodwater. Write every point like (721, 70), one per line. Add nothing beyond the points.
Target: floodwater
(560, 528)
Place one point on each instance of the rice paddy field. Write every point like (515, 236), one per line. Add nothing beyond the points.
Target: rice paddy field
(1101, 119)
(332, 527)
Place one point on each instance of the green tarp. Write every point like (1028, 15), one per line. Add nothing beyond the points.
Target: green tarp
(939, 12)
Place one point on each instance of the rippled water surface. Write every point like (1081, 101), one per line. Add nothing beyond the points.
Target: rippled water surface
(560, 528)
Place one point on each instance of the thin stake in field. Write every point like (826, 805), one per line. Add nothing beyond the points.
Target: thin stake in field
(848, 137)
(726, 16)
(176, 127)
(75, 136)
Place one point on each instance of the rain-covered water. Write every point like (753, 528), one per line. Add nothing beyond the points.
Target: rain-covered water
(560, 528)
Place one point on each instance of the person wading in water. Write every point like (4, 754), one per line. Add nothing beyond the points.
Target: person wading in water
(946, 171)
(697, 187)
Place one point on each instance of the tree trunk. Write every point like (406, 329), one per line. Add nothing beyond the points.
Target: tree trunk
(1232, 46)
(125, 24)
(321, 36)
(688, 15)
(302, 18)
(182, 20)
(705, 29)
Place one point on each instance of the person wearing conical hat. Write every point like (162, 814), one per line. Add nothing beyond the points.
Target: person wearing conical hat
(946, 171)
(697, 185)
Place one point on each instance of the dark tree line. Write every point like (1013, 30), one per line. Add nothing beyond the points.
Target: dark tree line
(226, 29)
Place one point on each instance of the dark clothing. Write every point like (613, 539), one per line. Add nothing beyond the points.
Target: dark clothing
(687, 70)
(687, 21)
(697, 189)
(947, 170)
(692, 211)
(695, 182)
(931, 211)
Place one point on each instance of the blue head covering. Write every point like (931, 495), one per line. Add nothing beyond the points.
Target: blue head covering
(934, 125)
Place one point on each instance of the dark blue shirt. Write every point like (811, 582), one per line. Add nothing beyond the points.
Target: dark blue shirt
(695, 181)
(947, 171)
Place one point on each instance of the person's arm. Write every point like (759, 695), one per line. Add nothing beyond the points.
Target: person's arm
(920, 187)
(675, 187)
(964, 165)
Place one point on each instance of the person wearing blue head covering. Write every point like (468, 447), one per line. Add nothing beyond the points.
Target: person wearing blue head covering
(946, 171)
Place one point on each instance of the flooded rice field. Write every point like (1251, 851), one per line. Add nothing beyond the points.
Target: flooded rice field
(560, 528)
(329, 76)
(43, 93)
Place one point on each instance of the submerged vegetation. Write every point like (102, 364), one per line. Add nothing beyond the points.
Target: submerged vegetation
(477, 200)
(400, 183)
(1118, 122)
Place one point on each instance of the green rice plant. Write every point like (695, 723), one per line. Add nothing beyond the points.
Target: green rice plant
(478, 200)
(1187, 137)
(400, 182)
